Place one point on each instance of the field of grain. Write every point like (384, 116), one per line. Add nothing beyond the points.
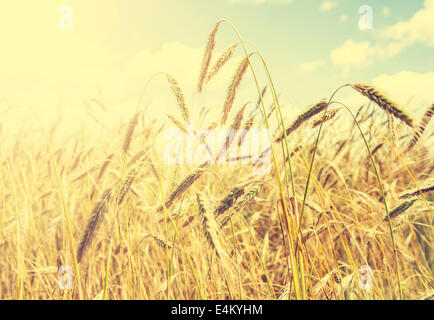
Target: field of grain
(345, 211)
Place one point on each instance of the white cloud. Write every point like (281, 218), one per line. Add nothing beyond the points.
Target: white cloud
(327, 5)
(352, 54)
(66, 84)
(408, 86)
(174, 58)
(419, 28)
(311, 65)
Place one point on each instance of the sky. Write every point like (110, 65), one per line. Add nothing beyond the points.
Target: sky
(52, 59)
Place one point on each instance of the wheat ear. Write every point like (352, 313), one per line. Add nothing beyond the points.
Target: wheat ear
(101, 171)
(210, 226)
(415, 193)
(93, 223)
(421, 127)
(177, 123)
(85, 173)
(330, 114)
(139, 155)
(233, 87)
(248, 196)
(130, 131)
(179, 97)
(228, 201)
(400, 209)
(182, 187)
(126, 184)
(207, 56)
(221, 61)
(160, 241)
(315, 109)
(307, 234)
(383, 102)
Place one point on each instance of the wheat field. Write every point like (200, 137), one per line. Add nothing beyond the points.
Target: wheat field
(345, 211)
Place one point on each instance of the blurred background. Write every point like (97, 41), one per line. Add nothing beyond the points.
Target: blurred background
(57, 54)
